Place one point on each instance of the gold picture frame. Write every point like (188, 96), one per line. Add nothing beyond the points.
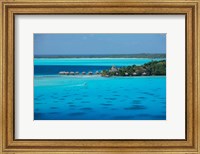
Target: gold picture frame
(9, 8)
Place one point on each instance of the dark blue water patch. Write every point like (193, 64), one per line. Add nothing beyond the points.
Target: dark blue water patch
(141, 97)
(53, 107)
(53, 96)
(85, 102)
(135, 107)
(136, 101)
(162, 100)
(76, 114)
(54, 113)
(76, 94)
(61, 99)
(106, 104)
(64, 96)
(39, 103)
(78, 99)
(38, 115)
(147, 93)
(55, 69)
(71, 105)
(70, 102)
(40, 96)
(37, 99)
(113, 99)
(86, 108)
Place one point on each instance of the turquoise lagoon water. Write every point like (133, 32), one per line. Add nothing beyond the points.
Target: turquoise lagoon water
(92, 61)
(94, 97)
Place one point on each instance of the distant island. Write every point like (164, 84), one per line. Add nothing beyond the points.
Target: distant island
(153, 68)
(141, 55)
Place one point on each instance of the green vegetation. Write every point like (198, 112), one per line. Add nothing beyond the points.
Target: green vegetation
(149, 69)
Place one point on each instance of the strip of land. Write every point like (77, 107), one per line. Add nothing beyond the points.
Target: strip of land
(153, 68)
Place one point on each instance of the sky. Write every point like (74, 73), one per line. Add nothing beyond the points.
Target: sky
(97, 44)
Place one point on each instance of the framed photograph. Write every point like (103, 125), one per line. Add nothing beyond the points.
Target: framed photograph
(99, 76)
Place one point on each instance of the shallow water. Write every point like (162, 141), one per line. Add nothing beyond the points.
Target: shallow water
(98, 98)
(92, 61)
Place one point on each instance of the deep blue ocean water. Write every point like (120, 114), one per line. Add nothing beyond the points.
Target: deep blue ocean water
(58, 97)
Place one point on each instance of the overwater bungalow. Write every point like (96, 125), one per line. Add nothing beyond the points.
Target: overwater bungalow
(126, 74)
(134, 74)
(97, 72)
(90, 73)
(66, 73)
(144, 73)
(83, 73)
(71, 73)
(62, 73)
(77, 73)
(113, 69)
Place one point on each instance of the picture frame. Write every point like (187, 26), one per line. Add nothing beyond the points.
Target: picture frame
(47, 7)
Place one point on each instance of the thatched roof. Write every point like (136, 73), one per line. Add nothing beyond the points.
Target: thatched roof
(113, 69)
(134, 73)
(144, 73)
(62, 72)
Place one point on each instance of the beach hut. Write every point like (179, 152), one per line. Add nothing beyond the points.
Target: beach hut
(144, 73)
(97, 72)
(134, 74)
(62, 73)
(126, 74)
(90, 73)
(77, 73)
(83, 73)
(71, 73)
(113, 69)
(66, 73)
